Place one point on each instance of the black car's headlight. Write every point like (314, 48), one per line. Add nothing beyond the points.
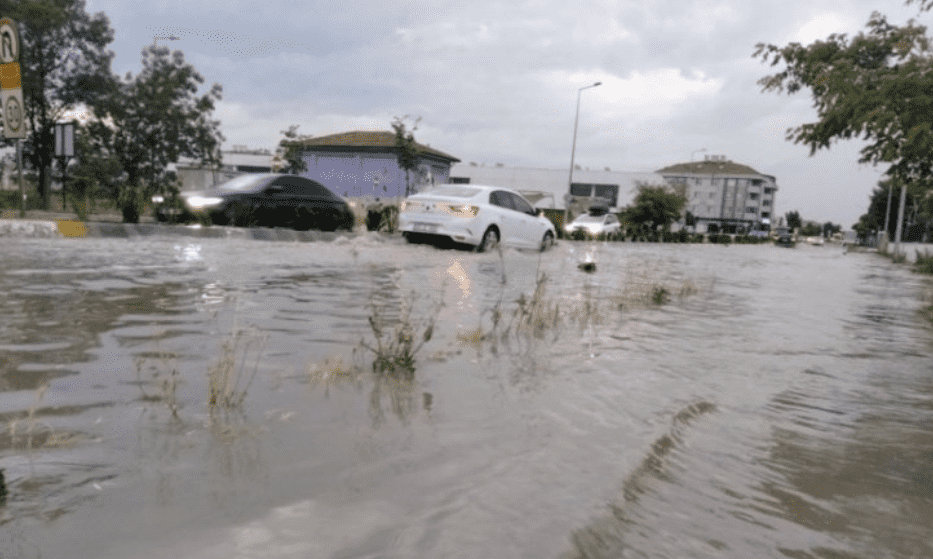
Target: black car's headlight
(203, 202)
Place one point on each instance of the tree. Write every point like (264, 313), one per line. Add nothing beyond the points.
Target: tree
(289, 157)
(64, 63)
(655, 206)
(793, 220)
(811, 229)
(149, 121)
(92, 173)
(406, 149)
(874, 86)
(830, 229)
(918, 207)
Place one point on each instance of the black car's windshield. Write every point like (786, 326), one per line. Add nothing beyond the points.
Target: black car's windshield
(246, 183)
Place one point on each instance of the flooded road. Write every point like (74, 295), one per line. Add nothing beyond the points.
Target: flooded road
(169, 397)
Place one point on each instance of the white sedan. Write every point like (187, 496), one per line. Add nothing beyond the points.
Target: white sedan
(482, 216)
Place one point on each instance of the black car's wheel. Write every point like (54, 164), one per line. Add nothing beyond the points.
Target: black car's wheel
(547, 241)
(490, 240)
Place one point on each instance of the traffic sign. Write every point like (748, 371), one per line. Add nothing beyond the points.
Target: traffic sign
(9, 41)
(14, 119)
(10, 77)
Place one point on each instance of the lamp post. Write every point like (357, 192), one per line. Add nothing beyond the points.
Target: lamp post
(695, 152)
(573, 152)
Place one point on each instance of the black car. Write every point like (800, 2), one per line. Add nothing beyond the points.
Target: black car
(266, 199)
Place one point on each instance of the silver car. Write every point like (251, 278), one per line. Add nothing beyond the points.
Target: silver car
(595, 224)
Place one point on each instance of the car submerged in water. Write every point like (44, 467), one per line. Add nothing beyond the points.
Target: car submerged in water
(260, 199)
(477, 215)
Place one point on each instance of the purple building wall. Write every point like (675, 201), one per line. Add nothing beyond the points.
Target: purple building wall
(368, 174)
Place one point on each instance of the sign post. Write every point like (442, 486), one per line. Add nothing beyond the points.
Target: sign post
(11, 95)
(64, 150)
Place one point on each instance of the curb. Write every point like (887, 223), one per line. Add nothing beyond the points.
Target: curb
(42, 229)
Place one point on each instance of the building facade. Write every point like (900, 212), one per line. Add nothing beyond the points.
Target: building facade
(363, 165)
(234, 162)
(724, 196)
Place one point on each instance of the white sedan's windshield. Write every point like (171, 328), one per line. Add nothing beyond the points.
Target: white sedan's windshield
(590, 219)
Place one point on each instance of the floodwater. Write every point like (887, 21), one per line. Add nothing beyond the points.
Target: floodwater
(680, 401)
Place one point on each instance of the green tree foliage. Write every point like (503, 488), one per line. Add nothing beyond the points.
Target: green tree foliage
(64, 63)
(654, 207)
(93, 173)
(289, 157)
(406, 150)
(918, 207)
(149, 121)
(793, 220)
(874, 86)
(811, 229)
(830, 229)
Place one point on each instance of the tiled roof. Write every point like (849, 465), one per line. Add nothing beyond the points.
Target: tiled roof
(709, 168)
(365, 140)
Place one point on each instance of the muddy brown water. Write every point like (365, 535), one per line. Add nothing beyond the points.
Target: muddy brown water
(778, 403)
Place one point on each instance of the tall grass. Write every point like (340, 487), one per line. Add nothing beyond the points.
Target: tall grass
(397, 342)
(538, 315)
(230, 377)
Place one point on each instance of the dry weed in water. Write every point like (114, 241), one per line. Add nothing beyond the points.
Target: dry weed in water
(397, 344)
(229, 371)
(166, 377)
(333, 372)
(30, 420)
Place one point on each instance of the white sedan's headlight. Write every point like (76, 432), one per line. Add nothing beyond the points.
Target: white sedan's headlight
(201, 202)
(157, 199)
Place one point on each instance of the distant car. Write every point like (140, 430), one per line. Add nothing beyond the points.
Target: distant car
(595, 223)
(784, 237)
(265, 199)
(477, 215)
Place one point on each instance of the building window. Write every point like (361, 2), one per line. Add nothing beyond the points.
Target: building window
(765, 214)
(769, 190)
(712, 194)
(459, 180)
(766, 202)
(752, 195)
(609, 192)
(751, 209)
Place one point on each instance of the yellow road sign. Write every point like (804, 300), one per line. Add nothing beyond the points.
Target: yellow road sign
(10, 77)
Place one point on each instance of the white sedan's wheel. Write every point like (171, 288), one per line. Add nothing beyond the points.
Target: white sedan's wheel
(547, 241)
(490, 240)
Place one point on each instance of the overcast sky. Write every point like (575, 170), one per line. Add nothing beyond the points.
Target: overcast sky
(497, 82)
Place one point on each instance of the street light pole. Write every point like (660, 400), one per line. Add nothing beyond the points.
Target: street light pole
(573, 151)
